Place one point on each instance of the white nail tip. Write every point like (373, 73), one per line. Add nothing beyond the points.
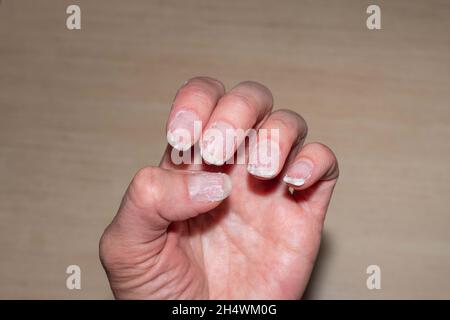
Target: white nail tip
(210, 157)
(217, 144)
(294, 181)
(181, 130)
(179, 145)
(260, 172)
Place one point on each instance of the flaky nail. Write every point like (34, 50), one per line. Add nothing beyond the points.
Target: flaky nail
(218, 143)
(264, 159)
(181, 133)
(208, 187)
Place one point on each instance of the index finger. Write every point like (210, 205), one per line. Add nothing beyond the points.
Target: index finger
(194, 101)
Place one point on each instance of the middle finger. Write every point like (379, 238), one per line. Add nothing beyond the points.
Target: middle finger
(243, 107)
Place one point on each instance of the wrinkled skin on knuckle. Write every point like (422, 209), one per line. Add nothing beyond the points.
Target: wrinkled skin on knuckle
(144, 189)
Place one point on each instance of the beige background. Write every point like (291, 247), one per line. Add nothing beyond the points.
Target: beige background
(81, 111)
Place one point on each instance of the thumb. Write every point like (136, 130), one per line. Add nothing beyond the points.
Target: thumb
(156, 197)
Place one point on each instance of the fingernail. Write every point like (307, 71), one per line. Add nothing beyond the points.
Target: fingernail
(208, 187)
(264, 159)
(181, 133)
(218, 143)
(299, 173)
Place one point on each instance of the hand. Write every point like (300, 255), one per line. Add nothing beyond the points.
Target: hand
(224, 231)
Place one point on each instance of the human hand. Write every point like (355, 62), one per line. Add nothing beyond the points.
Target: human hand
(237, 234)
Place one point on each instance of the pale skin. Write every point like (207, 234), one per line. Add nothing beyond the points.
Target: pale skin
(251, 239)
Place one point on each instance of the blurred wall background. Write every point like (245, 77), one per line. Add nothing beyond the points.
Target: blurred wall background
(81, 111)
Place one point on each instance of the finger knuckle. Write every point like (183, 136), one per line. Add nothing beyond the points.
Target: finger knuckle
(289, 119)
(326, 153)
(257, 87)
(244, 103)
(324, 149)
(196, 91)
(290, 114)
(113, 253)
(281, 125)
(209, 80)
(143, 189)
(254, 85)
(106, 249)
(317, 147)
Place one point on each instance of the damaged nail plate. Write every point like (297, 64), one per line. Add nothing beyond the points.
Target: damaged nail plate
(264, 159)
(208, 187)
(181, 132)
(217, 145)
